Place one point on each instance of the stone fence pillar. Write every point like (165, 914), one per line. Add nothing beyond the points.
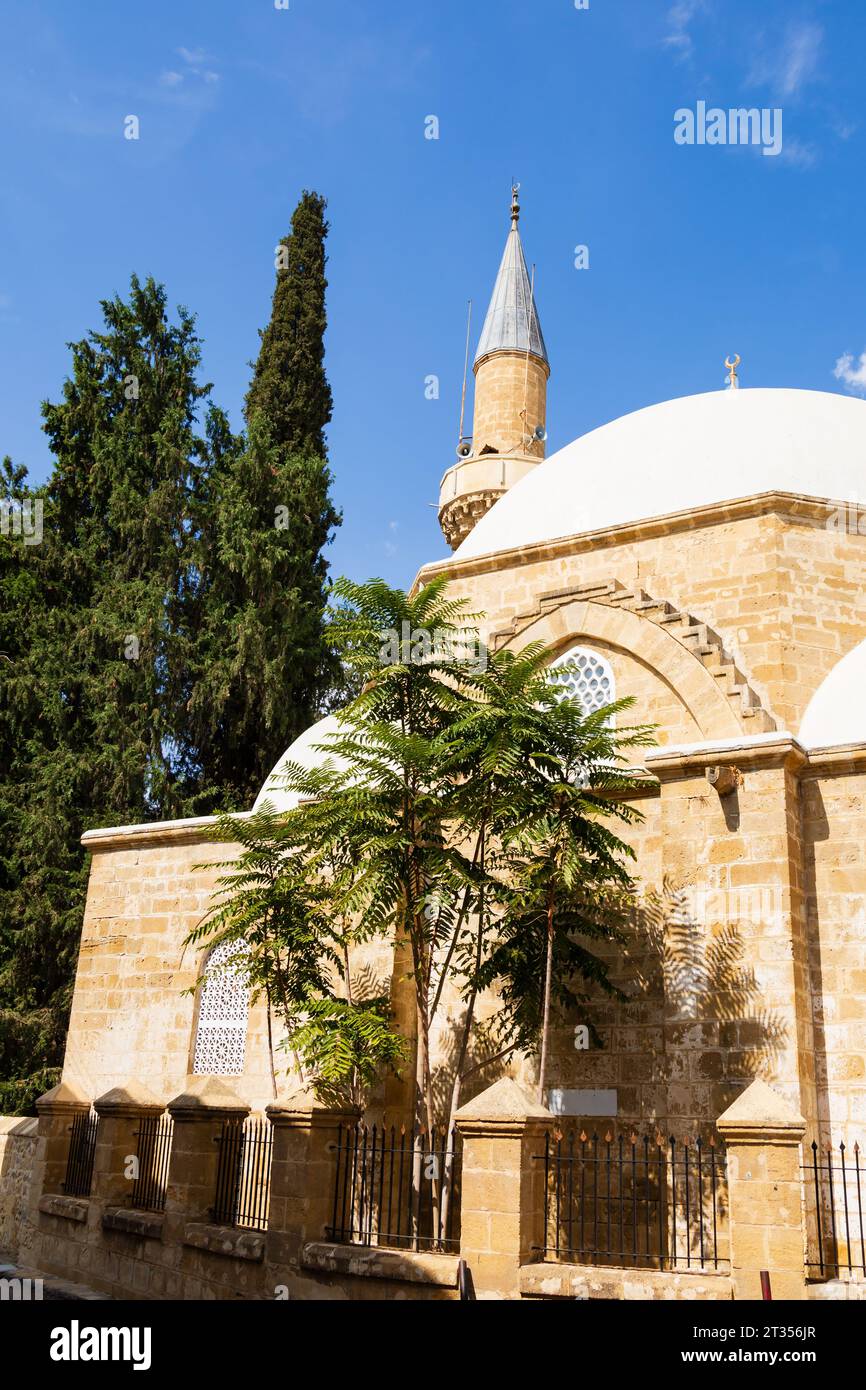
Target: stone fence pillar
(198, 1115)
(763, 1133)
(56, 1110)
(303, 1171)
(502, 1203)
(120, 1112)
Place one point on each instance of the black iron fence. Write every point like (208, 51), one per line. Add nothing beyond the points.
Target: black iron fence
(152, 1158)
(834, 1182)
(397, 1189)
(655, 1203)
(243, 1184)
(82, 1151)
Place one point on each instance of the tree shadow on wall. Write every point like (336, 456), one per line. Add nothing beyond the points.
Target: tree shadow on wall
(687, 965)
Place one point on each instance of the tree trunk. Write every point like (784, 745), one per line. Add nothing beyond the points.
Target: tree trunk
(457, 1086)
(545, 1011)
(271, 1045)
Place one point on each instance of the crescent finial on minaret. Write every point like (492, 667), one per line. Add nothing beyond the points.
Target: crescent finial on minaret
(732, 365)
(515, 204)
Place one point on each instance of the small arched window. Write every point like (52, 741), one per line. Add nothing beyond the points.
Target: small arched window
(590, 680)
(221, 1032)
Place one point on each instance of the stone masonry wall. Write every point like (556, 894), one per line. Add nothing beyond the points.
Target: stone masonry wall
(784, 592)
(132, 1015)
(834, 812)
(17, 1153)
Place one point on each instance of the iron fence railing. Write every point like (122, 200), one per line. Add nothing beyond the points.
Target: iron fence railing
(152, 1158)
(243, 1183)
(82, 1151)
(397, 1189)
(655, 1203)
(834, 1183)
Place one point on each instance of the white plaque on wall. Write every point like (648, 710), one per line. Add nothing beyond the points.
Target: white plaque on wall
(582, 1102)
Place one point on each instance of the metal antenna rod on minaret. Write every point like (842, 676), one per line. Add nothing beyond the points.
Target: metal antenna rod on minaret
(465, 375)
(525, 411)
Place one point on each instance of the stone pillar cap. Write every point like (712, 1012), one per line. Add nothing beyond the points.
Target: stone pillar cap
(132, 1097)
(207, 1096)
(303, 1103)
(502, 1103)
(63, 1096)
(761, 1111)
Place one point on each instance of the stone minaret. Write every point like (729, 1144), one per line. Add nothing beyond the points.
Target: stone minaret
(511, 372)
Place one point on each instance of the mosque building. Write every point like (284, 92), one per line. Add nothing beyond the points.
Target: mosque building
(705, 556)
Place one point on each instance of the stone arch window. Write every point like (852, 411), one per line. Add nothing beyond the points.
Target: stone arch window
(591, 682)
(221, 1030)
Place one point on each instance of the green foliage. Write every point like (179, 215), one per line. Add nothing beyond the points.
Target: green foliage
(263, 668)
(19, 1096)
(266, 899)
(464, 811)
(347, 1045)
(275, 899)
(262, 665)
(165, 642)
(98, 621)
(289, 386)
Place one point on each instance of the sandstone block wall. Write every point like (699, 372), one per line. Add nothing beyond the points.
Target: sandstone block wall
(17, 1153)
(783, 591)
(132, 1014)
(834, 811)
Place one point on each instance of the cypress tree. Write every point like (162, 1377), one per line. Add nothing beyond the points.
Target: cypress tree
(265, 668)
(289, 387)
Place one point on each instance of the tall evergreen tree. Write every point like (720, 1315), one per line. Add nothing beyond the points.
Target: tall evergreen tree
(289, 385)
(31, 1031)
(265, 668)
(91, 700)
(164, 644)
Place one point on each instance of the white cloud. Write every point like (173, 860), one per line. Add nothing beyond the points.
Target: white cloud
(679, 19)
(852, 372)
(194, 56)
(800, 56)
(787, 67)
(845, 129)
(801, 153)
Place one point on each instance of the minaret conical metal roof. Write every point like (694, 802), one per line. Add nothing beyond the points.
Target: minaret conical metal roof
(512, 320)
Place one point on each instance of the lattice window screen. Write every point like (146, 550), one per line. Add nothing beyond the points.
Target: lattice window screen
(221, 1035)
(591, 682)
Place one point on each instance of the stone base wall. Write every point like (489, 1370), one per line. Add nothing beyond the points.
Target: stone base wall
(18, 1139)
(504, 1214)
(584, 1282)
(208, 1265)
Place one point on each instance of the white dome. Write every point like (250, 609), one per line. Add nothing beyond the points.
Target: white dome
(306, 753)
(837, 711)
(682, 455)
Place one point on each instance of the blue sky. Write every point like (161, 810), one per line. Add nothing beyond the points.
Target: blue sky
(695, 252)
